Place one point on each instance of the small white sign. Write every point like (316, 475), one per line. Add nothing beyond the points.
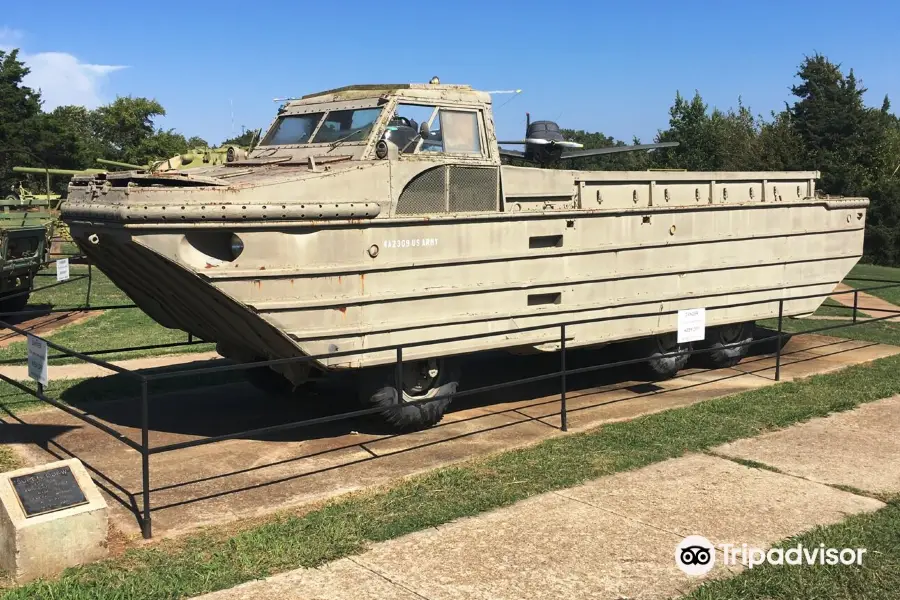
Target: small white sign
(62, 269)
(691, 325)
(37, 359)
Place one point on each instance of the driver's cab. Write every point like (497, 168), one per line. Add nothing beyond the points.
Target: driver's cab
(431, 128)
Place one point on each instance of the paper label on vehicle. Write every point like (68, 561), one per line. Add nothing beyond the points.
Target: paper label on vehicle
(37, 359)
(691, 325)
(62, 269)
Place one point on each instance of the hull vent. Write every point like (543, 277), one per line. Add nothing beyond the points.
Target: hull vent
(450, 190)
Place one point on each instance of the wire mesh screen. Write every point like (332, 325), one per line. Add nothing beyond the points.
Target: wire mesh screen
(473, 189)
(426, 193)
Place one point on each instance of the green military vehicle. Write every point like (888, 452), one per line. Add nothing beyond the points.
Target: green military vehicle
(28, 222)
(25, 231)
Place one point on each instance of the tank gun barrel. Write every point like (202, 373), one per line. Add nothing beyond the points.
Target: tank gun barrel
(123, 165)
(40, 171)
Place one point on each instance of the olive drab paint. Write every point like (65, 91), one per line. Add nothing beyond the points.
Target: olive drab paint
(384, 216)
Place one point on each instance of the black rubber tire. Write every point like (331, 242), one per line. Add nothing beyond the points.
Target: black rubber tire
(660, 367)
(377, 390)
(13, 305)
(729, 344)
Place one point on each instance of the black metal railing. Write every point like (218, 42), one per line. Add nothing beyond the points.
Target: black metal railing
(144, 513)
(86, 306)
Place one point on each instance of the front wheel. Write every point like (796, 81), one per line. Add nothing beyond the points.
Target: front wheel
(659, 366)
(427, 385)
(727, 345)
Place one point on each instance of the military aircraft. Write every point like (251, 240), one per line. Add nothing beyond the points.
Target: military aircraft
(544, 144)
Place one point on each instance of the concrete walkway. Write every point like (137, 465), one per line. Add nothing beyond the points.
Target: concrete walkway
(616, 537)
(867, 303)
(83, 370)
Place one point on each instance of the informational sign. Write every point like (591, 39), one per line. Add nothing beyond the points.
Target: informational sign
(691, 325)
(37, 359)
(62, 269)
(48, 491)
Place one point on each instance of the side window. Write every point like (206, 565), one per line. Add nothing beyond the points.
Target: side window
(460, 132)
(451, 131)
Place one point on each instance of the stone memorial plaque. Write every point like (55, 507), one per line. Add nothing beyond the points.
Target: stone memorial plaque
(48, 491)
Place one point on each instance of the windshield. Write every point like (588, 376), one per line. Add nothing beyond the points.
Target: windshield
(338, 125)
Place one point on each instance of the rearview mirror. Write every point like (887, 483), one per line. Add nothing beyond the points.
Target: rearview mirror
(424, 130)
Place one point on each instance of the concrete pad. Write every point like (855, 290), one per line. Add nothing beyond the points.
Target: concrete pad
(812, 354)
(585, 412)
(721, 500)
(543, 548)
(340, 580)
(252, 476)
(858, 448)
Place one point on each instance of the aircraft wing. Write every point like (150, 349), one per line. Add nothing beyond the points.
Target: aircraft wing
(616, 149)
(511, 153)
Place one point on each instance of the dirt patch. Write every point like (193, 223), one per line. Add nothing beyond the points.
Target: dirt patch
(45, 324)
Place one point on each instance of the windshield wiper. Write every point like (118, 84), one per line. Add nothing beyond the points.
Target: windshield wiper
(340, 141)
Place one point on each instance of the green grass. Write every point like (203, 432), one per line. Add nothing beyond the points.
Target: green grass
(113, 329)
(8, 459)
(212, 561)
(880, 332)
(73, 294)
(877, 578)
(120, 328)
(831, 308)
(891, 295)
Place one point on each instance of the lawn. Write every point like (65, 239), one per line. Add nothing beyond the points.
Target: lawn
(877, 578)
(892, 294)
(216, 559)
(119, 328)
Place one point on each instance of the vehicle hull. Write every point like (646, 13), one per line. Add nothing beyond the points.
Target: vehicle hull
(316, 288)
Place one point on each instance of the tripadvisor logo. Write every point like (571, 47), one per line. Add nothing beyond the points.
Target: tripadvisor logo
(696, 555)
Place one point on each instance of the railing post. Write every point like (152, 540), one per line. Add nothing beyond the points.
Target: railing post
(146, 524)
(778, 341)
(563, 413)
(855, 303)
(87, 300)
(398, 376)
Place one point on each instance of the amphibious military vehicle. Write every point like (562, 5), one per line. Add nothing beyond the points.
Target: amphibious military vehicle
(330, 237)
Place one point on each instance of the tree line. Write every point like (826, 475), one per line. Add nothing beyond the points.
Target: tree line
(825, 126)
(74, 137)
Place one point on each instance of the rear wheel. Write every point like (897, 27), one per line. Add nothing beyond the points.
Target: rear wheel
(728, 345)
(422, 381)
(658, 366)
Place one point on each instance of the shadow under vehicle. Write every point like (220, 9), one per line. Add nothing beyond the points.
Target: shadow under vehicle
(349, 230)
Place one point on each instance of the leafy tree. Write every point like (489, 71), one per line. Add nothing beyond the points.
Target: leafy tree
(126, 130)
(20, 107)
(248, 137)
(196, 141)
(624, 161)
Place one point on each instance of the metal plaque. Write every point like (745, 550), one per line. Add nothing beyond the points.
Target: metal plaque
(48, 491)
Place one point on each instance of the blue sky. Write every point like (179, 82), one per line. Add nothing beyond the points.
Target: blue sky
(600, 66)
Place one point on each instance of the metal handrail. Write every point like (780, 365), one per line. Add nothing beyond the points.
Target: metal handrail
(146, 450)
